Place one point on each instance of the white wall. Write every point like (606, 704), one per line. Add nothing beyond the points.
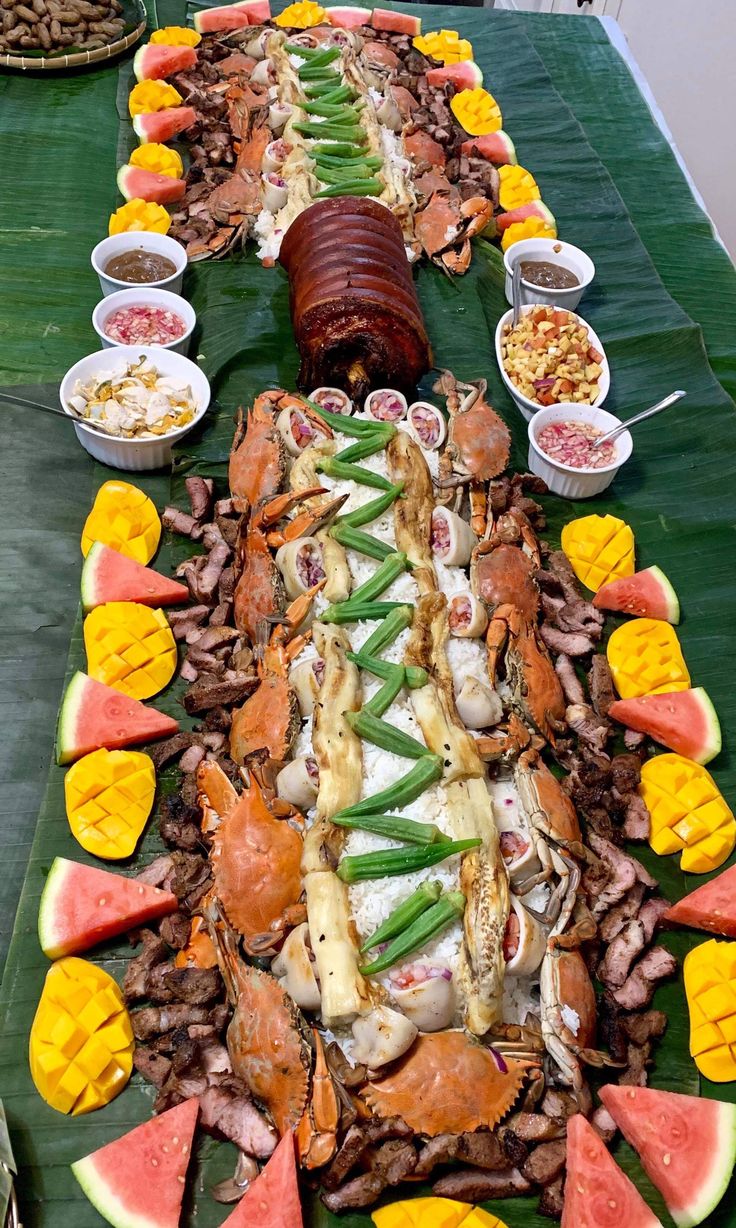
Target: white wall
(687, 52)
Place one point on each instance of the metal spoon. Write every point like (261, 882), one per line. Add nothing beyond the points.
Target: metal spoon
(55, 413)
(516, 292)
(646, 413)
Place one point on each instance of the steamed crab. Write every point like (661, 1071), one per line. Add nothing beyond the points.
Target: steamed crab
(446, 224)
(256, 855)
(504, 564)
(536, 692)
(448, 1083)
(478, 443)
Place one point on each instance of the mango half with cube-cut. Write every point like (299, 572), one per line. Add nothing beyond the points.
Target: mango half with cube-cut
(477, 111)
(710, 985)
(600, 548)
(130, 647)
(445, 46)
(646, 658)
(123, 517)
(688, 813)
(109, 795)
(433, 1213)
(81, 1044)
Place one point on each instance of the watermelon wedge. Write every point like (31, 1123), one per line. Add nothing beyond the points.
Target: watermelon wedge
(396, 23)
(108, 575)
(597, 1193)
(646, 594)
(685, 721)
(711, 907)
(81, 906)
(137, 1181)
(686, 1144)
(496, 147)
(94, 715)
(535, 208)
(160, 126)
(232, 16)
(156, 61)
(136, 184)
(272, 1201)
(348, 18)
(464, 76)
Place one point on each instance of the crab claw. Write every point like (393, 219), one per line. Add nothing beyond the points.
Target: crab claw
(309, 522)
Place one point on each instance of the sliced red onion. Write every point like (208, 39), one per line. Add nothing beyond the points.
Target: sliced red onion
(386, 405)
(503, 1068)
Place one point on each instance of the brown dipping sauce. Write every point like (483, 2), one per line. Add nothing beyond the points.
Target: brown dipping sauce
(547, 275)
(139, 266)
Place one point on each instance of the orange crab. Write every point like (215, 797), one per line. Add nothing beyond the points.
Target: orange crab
(267, 1038)
(535, 688)
(504, 564)
(259, 592)
(256, 856)
(448, 1083)
(270, 719)
(478, 443)
(446, 225)
(257, 468)
(569, 1013)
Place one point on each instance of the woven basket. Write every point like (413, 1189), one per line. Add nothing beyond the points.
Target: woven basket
(136, 17)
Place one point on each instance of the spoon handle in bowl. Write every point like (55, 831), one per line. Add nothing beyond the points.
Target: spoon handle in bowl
(646, 413)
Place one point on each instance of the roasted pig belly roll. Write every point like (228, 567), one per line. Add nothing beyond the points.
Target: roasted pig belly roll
(355, 312)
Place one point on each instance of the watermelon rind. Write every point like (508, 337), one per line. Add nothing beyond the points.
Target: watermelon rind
(347, 17)
(147, 1163)
(708, 1175)
(205, 21)
(642, 712)
(179, 59)
(396, 23)
(159, 126)
(59, 930)
(136, 183)
(657, 598)
(131, 584)
(65, 727)
(105, 1201)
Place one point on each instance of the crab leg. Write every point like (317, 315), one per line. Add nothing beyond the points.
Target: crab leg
(316, 1132)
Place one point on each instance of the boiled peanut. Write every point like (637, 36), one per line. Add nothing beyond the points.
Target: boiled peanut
(27, 14)
(44, 37)
(28, 42)
(68, 18)
(17, 33)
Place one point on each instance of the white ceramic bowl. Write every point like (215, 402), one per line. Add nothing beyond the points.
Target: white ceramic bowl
(556, 252)
(528, 407)
(565, 480)
(115, 245)
(134, 454)
(145, 296)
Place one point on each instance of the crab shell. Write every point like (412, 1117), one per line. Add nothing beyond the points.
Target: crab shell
(258, 460)
(480, 440)
(447, 1083)
(535, 687)
(256, 864)
(268, 1048)
(504, 575)
(547, 806)
(269, 720)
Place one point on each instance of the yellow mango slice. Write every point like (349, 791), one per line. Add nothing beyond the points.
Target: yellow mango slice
(176, 36)
(710, 984)
(81, 1043)
(130, 647)
(157, 158)
(600, 548)
(688, 813)
(149, 96)
(124, 518)
(302, 15)
(477, 111)
(516, 187)
(139, 214)
(109, 796)
(433, 1213)
(530, 228)
(645, 658)
(445, 46)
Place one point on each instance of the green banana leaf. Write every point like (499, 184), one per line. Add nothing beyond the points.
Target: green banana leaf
(611, 181)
